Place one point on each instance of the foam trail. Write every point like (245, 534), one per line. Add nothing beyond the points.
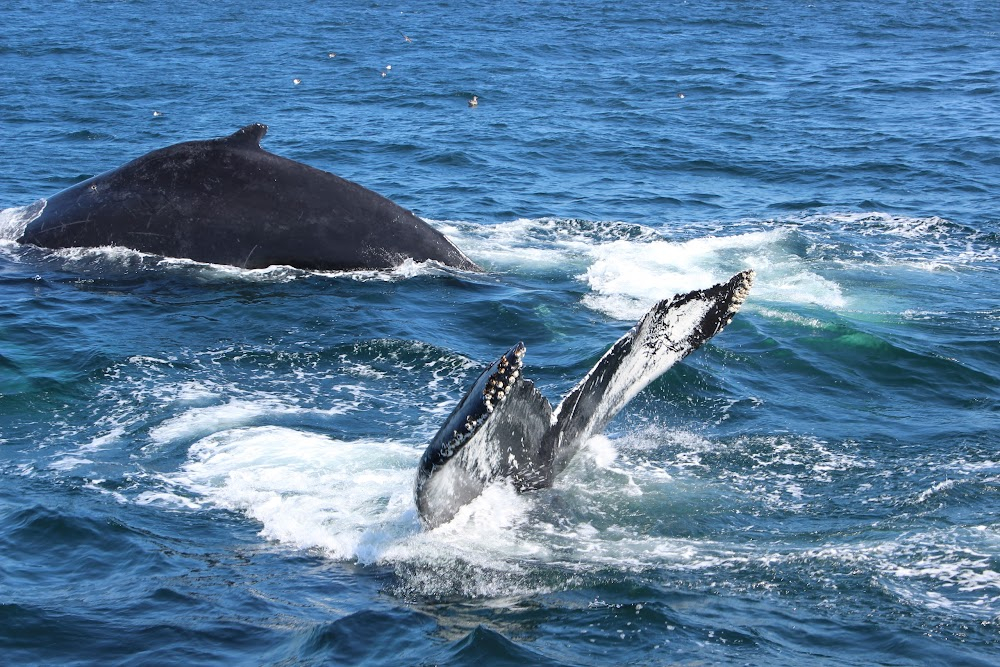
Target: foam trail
(626, 276)
(307, 490)
(630, 267)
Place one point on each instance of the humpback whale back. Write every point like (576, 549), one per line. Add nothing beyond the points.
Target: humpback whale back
(229, 201)
(505, 429)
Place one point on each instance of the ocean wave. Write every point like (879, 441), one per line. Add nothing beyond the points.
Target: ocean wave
(799, 260)
(112, 262)
(887, 240)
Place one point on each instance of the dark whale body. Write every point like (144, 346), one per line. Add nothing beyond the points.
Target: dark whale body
(228, 201)
(505, 430)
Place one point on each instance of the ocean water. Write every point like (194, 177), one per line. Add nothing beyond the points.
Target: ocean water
(205, 465)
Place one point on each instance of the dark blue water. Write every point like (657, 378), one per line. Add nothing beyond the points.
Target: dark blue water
(204, 465)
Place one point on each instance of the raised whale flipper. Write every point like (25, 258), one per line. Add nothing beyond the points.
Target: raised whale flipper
(505, 429)
(668, 332)
(505, 418)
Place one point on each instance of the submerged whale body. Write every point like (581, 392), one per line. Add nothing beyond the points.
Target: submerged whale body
(504, 429)
(228, 201)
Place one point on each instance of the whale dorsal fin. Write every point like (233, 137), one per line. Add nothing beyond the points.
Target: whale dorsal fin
(248, 136)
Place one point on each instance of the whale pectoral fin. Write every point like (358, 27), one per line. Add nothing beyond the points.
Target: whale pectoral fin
(504, 428)
(493, 433)
(671, 330)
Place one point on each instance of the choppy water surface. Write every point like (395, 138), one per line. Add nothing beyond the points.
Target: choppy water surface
(205, 465)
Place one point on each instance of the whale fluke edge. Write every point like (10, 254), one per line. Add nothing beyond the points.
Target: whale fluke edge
(504, 429)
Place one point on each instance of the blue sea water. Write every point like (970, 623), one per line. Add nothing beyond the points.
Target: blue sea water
(206, 465)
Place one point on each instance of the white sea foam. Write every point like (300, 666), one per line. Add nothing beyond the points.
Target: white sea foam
(125, 258)
(308, 490)
(946, 570)
(14, 220)
(353, 501)
(661, 266)
(799, 260)
(282, 273)
(776, 314)
(628, 268)
(201, 421)
(165, 499)
(68, 462)
(935, 490)
(923, 243)
(523, 245)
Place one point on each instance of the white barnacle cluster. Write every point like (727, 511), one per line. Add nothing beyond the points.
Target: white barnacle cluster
(461, 435)
(497, 388)
(742, 290)
(501, 382)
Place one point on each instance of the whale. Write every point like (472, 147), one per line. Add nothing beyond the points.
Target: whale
(229, 201)
(505, 431)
